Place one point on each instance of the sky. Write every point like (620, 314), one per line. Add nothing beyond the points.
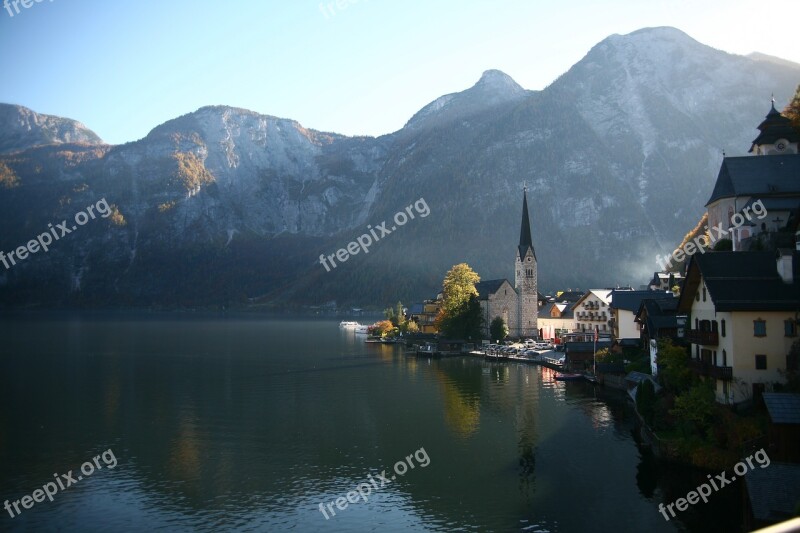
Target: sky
(355, 67)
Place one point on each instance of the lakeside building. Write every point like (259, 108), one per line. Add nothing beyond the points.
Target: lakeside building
(592, 311)
(742, 309)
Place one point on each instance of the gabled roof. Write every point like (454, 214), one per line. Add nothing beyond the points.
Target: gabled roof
(774, 175)
(741, 281)
(570, 296)
(632, 300)
(604, 295)
(489, 286)
(564, 308)
(783, 408)
(659, 313)
(774, 491)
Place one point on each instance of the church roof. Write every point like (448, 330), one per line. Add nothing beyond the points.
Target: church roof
(775, 126)
(775, 175)
(525, 240)
(489, 286)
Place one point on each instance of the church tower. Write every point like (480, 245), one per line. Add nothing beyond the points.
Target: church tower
(525, 278)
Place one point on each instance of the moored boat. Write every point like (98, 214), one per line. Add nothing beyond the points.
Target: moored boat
(564, 376)
(346, 324)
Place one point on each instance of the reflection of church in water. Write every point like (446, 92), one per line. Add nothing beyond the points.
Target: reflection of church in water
(517, 305)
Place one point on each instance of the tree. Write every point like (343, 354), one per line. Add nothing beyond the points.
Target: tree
(792, 109)
(458, 286)
(466, 322)
(382, 328)
(389, 314)
(696, 407)
(399, 314)
(498, 329)
(646, 400)
(673, 362)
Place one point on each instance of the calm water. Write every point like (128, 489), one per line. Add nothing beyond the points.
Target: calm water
(250, 424)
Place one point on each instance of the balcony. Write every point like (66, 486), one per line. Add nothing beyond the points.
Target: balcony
(702, 368)
(707, 338)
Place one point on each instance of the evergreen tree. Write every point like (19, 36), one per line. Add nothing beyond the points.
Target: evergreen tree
(498, 329)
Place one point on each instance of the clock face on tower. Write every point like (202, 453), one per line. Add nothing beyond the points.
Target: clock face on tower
(781, 144)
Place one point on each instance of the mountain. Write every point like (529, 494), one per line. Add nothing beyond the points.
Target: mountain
(225, 206)
(23, 129)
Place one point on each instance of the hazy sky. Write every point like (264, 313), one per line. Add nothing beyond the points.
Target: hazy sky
(122, 66)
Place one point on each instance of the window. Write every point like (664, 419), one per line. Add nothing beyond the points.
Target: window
(790, 328)
(759, 328)
(697, 296)
(696, 324)
(724, 358)
(704, 294)
(761, 362)
(697, 351)
(722, 327)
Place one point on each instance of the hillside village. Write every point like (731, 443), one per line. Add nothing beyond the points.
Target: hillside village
(729, 298)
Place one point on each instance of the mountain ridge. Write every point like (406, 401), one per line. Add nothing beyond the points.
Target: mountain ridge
(227, 206)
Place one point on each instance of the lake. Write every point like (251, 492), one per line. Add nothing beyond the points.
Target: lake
(263, 424)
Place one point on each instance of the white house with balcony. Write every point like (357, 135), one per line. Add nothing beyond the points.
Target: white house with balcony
(743, 310)
(592, 311)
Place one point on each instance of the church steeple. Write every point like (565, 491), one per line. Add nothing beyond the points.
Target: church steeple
(525, 240)
(776, 135)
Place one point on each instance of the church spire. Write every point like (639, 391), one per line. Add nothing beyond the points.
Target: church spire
(525, 240)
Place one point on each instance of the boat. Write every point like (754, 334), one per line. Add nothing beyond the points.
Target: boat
(361, 330)
(346, 324)
(564, 376)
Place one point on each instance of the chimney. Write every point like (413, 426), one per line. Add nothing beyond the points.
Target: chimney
(786, 265)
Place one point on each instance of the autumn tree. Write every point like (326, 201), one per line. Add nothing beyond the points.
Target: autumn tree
(792, 109)
(458, 286)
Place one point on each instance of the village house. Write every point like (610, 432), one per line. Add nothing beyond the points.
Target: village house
(742, 311)
(592, 311)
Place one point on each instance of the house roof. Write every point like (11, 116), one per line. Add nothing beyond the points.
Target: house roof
(564, 308)
(416, 309)
(741, 281)
(775, 175)
(570, 296)
(783, 408)
(489, 286)
(604, 295)
(632, 300)
(659, 313)
(774, 491)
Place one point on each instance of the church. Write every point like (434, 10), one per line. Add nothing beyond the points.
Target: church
(517, 305)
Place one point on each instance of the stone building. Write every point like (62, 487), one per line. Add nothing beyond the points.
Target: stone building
(517, 305)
